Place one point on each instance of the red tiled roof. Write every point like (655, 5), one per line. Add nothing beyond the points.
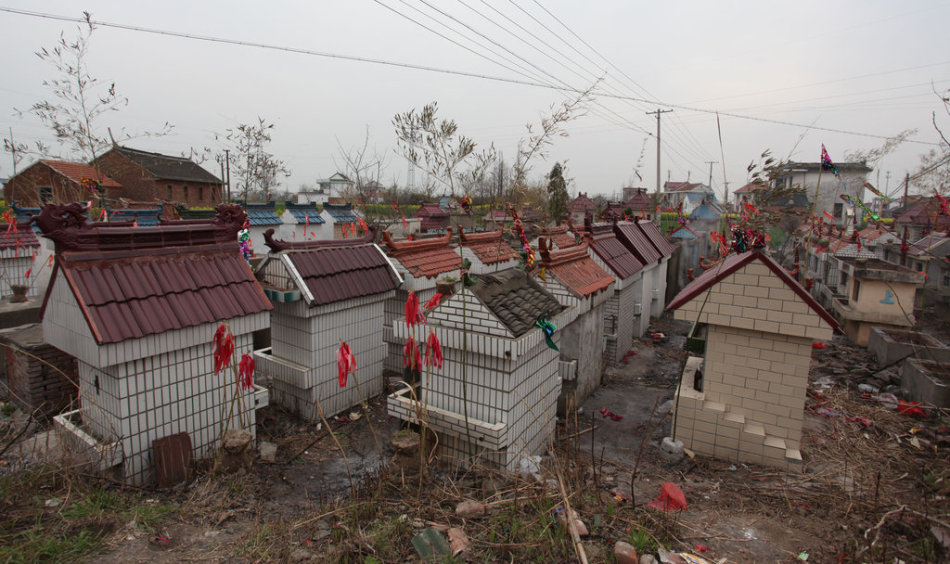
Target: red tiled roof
(659, 241)
(488, 247)
(334, 274)
(78, 171)
(733, 263)
(637, 242)
(560, 237)
(639, 201)
(612, 252)
(22, 236)
(136, 281)
(426, 257)
(574, 268)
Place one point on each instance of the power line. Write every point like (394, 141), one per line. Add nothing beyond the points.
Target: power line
(425, 68)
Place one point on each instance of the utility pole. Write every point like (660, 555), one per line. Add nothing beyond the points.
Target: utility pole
(658, 112)
(906, 186)
(227, 166)
(710, 163)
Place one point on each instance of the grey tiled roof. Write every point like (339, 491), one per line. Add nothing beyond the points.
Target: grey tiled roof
(516, 299)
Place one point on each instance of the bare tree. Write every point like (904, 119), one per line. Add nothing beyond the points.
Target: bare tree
(363, 166)
(551, 126)
(78, 102)
(257, 170)
(933, 174)
(435, 146)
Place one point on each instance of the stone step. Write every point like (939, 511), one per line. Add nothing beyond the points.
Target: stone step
(793, 456)
(774, 442)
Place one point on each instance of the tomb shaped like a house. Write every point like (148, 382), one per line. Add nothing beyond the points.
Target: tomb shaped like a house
(302, 222)
(747, 402)
(324, 292)
(423, 265)
(560, 235)
(487, 252)
(584, 288)
(138, 307)
(432, 217)
(636, 241)
(621, 312)
(662, 246)
(497, 365)
(19, 250)
(261, 217)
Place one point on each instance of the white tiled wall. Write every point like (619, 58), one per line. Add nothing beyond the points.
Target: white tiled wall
(144, 400)
(301, 365)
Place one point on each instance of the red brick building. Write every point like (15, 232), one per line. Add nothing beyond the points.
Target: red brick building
(57, 182)
(152, 176)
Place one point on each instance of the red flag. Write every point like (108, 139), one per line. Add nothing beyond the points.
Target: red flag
(829, 216)
(345, 363)
(433, 301)
(246, 372)
(405, 224)
(433, 351)
(363, 225)
(413, 314)
(410, 355)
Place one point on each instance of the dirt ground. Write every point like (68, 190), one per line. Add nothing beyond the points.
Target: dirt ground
(873, 487)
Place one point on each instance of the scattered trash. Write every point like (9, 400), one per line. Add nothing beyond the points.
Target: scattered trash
(431, 546)
(613, 416)
(888, 401)
(910, 408)
(470, 509)
(625, 553)
(355, 415)
(803, 556)
(733, 468)
(942, 535)
(868, 388)
(342, 419)
(700, 548)
(858, 419)
(458, 541)
(579, 525)
(53, 502)
(692, 558)
(530, 465)
(819, 345)
(826, 412)
(671, 498)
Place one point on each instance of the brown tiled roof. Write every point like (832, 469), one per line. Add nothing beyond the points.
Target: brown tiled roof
(77, 171)
(574, 268)
(21, 236)
(426, 257)
(659, 241)
(924, 245)
(334, 270)
(639, 201)
(680, 186)
(515, 298)
(334, 274)
(581, 203)
(733, 263)
(431, 210)
(637, 242)
(488, 247)
(132, 282)
(613, 211)
(612, 252)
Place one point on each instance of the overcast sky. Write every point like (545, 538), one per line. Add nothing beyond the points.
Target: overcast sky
(867, 67)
